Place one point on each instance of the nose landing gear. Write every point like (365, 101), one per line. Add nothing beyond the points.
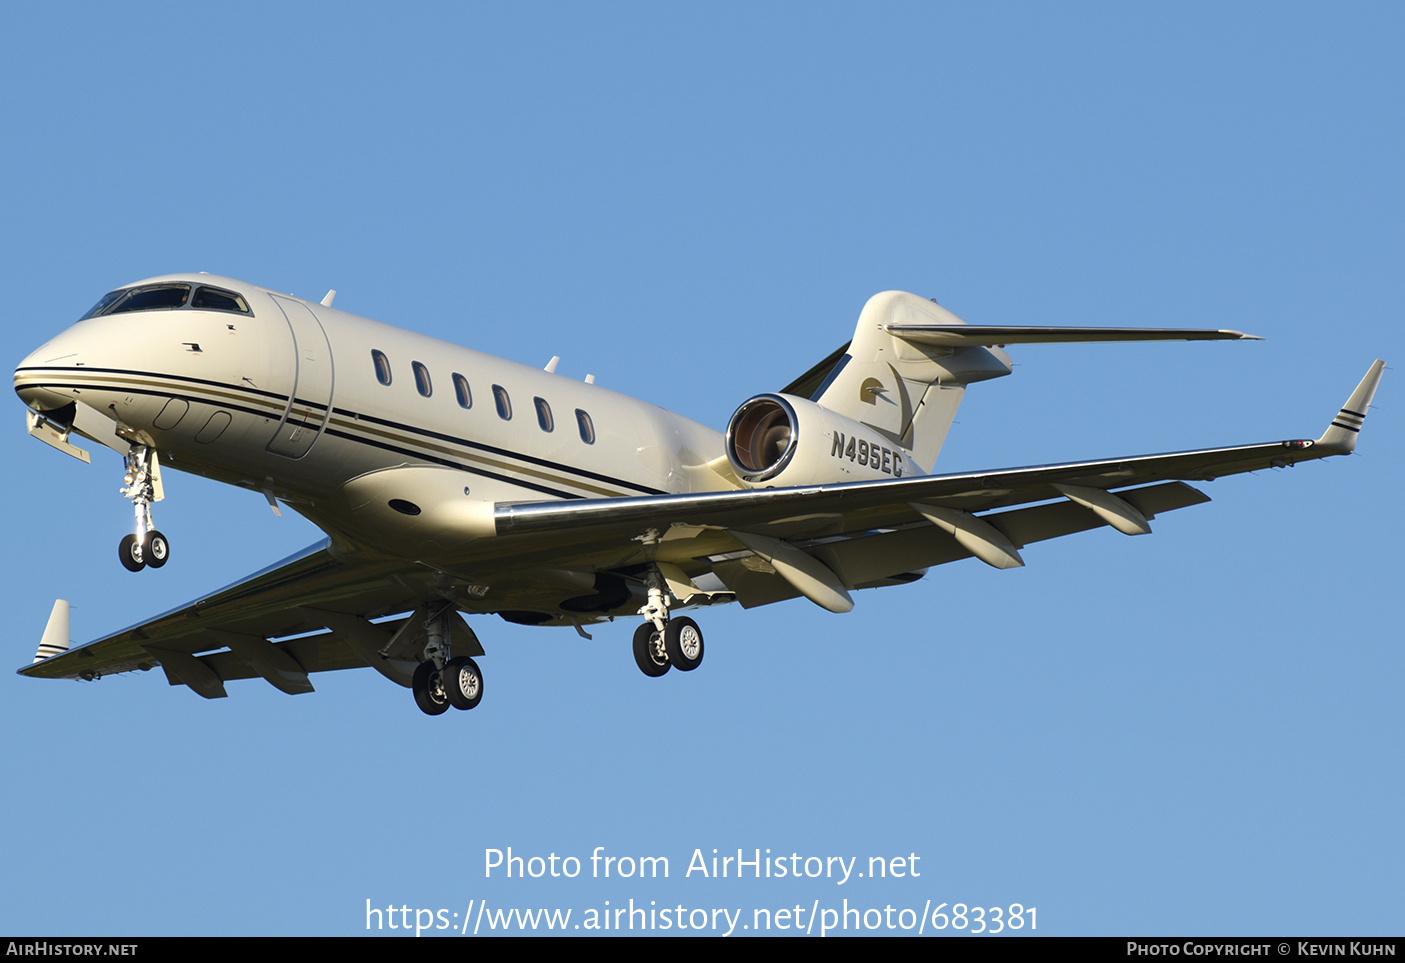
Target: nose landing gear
(142, 485)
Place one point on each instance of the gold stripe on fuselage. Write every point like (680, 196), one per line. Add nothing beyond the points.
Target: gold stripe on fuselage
(275, 407)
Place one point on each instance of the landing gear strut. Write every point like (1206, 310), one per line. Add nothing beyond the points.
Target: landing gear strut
(661, 642)
(142, 484)
(441, 681)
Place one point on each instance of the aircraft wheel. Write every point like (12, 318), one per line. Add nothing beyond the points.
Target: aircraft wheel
(647, 653)
(155, 549)
(429, 690)
(463, 682)
(129, 551)
(683, 642)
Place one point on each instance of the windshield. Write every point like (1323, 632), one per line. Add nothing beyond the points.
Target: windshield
(167, 297)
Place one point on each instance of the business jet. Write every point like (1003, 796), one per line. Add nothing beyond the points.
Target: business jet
(452, 483)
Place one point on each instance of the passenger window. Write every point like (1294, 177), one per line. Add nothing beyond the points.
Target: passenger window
(544, 414)
(461, 391)
(503, 402)
(422, 384)
(586, 426)
(382, 366)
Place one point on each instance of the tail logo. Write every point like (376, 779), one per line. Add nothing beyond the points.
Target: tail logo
(869, 392)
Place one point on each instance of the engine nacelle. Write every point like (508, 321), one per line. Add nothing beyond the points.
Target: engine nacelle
(780, 441)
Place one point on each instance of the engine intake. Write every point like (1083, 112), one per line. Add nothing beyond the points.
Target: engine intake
(761, 437)
(779, 441)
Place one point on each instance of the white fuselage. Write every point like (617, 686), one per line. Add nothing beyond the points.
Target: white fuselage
(210, 390)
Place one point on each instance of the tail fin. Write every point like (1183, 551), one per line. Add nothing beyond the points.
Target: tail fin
(906, 391)
(906, 370)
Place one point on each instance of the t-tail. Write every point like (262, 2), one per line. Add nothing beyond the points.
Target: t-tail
(906, 371)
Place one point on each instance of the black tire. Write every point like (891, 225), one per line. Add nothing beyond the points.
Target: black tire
(155, 550)
(683, 642)
(463, 682)
(130, 553)
(651, 662)
(429, 692)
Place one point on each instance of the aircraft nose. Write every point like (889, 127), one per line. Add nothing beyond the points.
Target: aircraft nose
(37, 374)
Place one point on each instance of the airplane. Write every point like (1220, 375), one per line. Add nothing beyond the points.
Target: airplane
(449, 482)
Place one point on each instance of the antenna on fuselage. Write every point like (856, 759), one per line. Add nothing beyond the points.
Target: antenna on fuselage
(551, 365)
(590, 379)
(331, 296)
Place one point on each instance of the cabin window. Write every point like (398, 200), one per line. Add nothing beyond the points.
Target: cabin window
(586, 426)
(544, 414)
(461, 391)
(382, 366)
(422, 384)
(503, 402)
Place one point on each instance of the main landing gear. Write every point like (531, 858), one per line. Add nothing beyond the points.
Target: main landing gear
(662, 642)
(142, 484)
(441, 681)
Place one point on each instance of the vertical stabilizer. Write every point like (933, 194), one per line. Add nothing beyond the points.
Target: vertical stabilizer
(906, 391)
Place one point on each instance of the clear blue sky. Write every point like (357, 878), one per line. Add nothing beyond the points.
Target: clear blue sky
(1197, 732)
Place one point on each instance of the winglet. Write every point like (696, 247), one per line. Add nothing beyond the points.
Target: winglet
(1340, 436)
(55, 638)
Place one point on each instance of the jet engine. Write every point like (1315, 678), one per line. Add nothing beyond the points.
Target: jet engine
(780, 441)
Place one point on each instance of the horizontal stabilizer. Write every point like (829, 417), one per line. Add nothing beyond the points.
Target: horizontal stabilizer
(985, 335)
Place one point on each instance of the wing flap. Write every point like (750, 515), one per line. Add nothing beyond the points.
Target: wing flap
(324, 652)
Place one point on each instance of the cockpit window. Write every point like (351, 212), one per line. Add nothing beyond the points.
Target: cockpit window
(166, 297)
(218, 299)
(151, 297)
(108, 300)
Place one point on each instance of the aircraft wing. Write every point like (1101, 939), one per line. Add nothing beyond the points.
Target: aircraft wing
(315, 611)
(320, 606)
(869, 533)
